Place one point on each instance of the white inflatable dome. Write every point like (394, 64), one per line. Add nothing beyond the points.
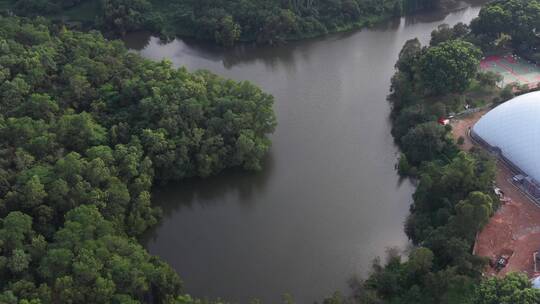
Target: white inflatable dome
(536, 283)
(514, 128)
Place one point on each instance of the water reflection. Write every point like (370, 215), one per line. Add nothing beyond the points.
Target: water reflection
(244, 185)
(248, 53)
(138, 40)
(438, 15)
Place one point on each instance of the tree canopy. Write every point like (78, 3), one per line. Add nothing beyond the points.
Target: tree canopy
(86, 129)
(513, 288)
(509, 24)
(222, 21)
(449, 66)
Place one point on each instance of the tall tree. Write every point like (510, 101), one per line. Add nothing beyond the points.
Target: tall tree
(449, 66)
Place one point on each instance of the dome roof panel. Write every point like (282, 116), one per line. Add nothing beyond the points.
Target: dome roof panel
(514, 127)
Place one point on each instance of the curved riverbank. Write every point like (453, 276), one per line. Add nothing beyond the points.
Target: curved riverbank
(328, 200)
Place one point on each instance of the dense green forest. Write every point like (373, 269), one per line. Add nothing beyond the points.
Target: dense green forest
(454, 197)
(86, 129)
(222, 21)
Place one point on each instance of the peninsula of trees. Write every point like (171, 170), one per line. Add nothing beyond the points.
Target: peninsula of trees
(86, 129)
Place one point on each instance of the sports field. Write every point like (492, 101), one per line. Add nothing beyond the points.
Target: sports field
(513, 69)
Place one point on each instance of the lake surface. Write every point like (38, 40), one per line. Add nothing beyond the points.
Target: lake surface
(328, 200)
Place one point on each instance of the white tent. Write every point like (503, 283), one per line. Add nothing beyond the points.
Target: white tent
(514, 128)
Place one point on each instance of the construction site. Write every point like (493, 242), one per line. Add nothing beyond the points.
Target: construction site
(511, 239)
